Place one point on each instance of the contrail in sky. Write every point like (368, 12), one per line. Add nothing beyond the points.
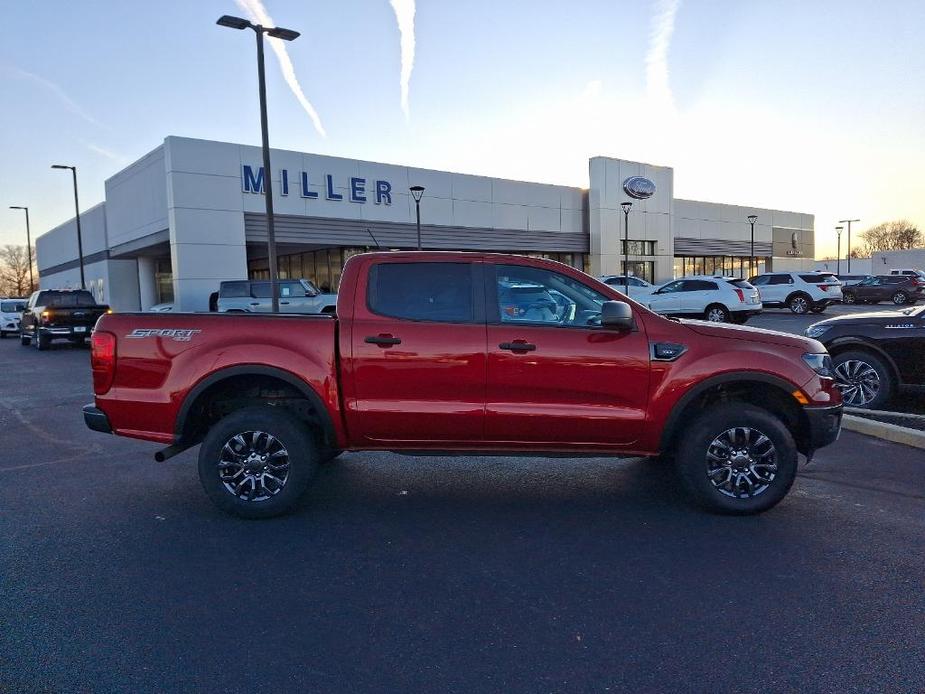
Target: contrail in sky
(55, 89)
(404, 15)
(657, 83)
(258, 14)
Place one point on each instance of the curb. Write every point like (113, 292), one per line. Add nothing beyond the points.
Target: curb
(882, 430)
(882, 413)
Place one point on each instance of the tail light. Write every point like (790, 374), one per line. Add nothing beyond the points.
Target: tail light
(102, 360)
(824, 287)
(741, 295)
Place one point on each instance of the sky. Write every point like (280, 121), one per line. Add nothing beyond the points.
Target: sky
(813, 107)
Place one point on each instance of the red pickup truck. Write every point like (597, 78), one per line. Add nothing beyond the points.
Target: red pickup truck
(464, 353)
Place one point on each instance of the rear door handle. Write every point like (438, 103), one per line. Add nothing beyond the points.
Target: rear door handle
(284, 303)
(383, 340)
(255, 303)
(517, 346)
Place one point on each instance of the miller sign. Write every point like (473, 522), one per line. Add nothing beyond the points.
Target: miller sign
(252, 181)
(639, 187)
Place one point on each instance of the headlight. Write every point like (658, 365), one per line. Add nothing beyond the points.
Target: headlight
(821, 364)
(817, 330)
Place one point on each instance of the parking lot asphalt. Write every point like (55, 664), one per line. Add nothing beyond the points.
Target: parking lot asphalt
(442, 574)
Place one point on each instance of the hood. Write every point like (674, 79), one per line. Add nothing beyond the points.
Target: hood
(869, 317)
(742, 332)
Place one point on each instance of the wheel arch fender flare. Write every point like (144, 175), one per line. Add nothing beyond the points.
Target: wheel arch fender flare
(327, 424)
(675, 418)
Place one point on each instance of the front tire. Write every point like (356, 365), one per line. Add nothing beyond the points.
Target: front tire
(848, 298)
(863, 379)
(24, 340)
(900, 298)
(257, 462)
(737, 459)
(41, 342)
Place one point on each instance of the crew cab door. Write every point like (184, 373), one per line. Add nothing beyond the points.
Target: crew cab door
(414, 368)
(555, 377)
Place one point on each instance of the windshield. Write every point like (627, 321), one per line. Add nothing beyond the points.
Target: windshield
(12, 306)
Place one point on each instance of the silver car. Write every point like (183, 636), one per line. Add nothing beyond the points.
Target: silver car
(253, 296)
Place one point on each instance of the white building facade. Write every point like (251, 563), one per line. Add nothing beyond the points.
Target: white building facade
(190, 214)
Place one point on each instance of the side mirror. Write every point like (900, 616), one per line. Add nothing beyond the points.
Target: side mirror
(617, 314)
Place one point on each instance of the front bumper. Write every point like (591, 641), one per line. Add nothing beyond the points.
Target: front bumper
(824, 425)
(96, 419)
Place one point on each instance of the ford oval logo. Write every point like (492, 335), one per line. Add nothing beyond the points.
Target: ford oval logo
(639, 187)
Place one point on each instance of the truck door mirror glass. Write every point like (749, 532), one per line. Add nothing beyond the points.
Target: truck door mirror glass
(617, 314)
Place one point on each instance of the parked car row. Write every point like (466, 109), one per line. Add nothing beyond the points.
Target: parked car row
(729, 299)
(254, 296)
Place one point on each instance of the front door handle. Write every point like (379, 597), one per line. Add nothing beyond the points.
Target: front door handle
(383, 340)
(255, 303)
(284, 303)
(517, 346)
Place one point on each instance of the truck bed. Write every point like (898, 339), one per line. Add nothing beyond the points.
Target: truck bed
(163, 360)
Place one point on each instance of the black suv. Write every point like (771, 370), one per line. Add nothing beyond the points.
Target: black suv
(900, 289)
(874, 353)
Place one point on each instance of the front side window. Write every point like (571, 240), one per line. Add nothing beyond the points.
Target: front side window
(760, 281)
(440, 292)
(672, 287)
(535, 295)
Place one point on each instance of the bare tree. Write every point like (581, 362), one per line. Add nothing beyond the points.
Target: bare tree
(14, 271)
(897, 235)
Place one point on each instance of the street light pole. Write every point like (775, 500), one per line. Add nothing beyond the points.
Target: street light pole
(28, 246)
(286, 35)
(838, 231)
(626, 245)
(417, 192)
(848, 221)
(80, 245)
(752, 218)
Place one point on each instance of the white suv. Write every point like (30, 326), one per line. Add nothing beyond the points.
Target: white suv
(801, 292)
(713, 298)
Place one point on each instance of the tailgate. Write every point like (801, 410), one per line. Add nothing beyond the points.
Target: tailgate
(59, 317)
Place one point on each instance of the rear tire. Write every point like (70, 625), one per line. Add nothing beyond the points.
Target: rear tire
(716, 313)
(848, 298)
(864, 379)
(236, 462)
(799, 304)
(737, 459)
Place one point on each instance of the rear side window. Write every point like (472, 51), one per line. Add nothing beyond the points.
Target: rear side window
(234, 289)
(698, 286)
(741, 284)
(439, 292)
(819, 278)
(260, 290)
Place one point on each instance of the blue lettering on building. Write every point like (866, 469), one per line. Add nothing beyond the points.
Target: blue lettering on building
(329, 185)
(306, 192)
(383, 192)
(252, 181)
(357, 190)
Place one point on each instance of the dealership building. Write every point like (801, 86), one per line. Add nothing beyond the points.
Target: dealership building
(191, 213)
